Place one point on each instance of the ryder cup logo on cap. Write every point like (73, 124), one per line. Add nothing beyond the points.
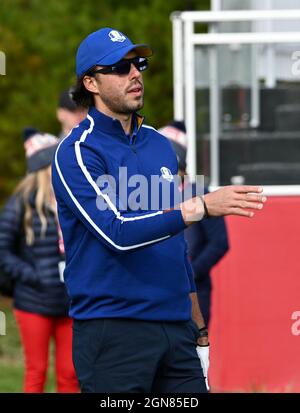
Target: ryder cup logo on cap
(105, 47)
(116, 36)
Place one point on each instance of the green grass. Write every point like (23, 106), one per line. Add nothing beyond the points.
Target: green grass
(11, 356)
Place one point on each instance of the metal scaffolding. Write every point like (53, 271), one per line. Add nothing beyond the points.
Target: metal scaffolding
(184, 41)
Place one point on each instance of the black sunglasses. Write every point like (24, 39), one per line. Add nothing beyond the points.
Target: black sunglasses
(123, 66)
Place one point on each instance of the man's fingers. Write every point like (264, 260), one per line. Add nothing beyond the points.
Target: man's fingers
(251, 197)
(247, 188)
(235, 200)
(241, 212)
(250, 205)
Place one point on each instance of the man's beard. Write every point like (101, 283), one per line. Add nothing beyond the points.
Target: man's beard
(124, 108)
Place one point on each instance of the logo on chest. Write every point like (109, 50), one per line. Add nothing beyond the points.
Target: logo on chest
(166, 174)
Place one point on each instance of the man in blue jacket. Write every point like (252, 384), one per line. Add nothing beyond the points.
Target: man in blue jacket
(207, 239)
(127, 273)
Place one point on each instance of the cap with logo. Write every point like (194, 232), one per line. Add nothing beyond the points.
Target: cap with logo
(106, 47)
(39, 148)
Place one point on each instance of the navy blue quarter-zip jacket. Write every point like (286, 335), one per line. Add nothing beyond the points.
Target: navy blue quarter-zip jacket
(120, 262)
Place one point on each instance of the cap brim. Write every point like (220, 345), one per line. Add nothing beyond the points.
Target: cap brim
(142, 50)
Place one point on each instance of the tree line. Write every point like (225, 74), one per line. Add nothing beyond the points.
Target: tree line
(40, 40)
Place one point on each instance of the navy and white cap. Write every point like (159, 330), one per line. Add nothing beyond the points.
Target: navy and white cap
(106, 47)
(39, 148)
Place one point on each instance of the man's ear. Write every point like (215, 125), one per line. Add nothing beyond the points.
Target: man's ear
(90, 84)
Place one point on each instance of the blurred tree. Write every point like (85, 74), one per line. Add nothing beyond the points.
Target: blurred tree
(40, 40)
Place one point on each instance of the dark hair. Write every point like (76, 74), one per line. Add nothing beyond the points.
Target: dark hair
(81, 96)
(66, 100)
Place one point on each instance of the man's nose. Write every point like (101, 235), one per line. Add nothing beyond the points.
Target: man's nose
(134, 72)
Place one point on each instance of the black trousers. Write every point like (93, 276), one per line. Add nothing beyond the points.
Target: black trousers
(124, 356)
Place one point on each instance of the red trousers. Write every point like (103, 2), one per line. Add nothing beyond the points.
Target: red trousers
(36, 331)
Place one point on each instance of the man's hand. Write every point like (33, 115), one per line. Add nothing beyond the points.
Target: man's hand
(229, 200)
(235, 200)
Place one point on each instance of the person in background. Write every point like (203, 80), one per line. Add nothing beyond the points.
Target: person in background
(207, 239)
(68, 113)
(32, 254)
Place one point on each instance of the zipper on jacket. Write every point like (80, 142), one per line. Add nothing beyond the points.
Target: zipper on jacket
(132, 140)
(133, 148)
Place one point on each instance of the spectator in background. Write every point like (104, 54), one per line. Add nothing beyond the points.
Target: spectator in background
(207, 239)
(32, 254)
(68, 113)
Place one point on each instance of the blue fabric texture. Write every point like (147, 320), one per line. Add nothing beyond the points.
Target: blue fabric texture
(120, 263)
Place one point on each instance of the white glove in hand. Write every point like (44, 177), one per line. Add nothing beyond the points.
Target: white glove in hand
(203, 354)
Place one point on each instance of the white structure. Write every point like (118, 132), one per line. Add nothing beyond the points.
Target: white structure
(267, 29)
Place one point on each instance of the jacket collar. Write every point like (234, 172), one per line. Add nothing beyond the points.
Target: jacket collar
(113, 126)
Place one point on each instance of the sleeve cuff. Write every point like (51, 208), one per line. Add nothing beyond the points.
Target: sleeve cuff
(173, 221)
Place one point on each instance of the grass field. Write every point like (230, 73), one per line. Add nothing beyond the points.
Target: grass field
(11, 356)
